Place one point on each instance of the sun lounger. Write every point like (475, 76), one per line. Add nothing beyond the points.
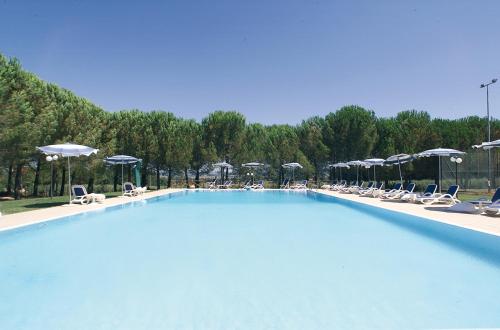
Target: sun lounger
(397, 188)
(82, 197)
(493, 209)
(328, 186)
(430, 191)
(347, 187)
(285, 184)
(301, 185)
(258, 185)
(399, 194)
(485, 202)
(479, 206)
(377, 191)
(211, 184)
(450, 197)
(370, 192)
(141, 190)
(129, 190)
(226, 185)
(354, 189)
(342, 184)
(348, 190)
(368, 187)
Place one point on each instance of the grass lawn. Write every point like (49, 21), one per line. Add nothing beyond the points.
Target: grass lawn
(28, 204)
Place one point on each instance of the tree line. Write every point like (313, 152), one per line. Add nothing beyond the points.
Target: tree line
(36, 113)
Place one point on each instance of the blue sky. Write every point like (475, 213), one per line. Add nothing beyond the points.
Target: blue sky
(274, 61)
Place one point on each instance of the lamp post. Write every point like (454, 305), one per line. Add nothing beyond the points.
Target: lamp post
(489, 126)
(456, 160)
(51, 160)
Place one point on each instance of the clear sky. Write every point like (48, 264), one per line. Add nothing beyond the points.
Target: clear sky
(275, 61)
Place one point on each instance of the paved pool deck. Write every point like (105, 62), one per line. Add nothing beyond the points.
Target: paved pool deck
(16, 220)
(440, 213)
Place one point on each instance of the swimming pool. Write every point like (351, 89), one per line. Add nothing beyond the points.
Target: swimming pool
(247, 260)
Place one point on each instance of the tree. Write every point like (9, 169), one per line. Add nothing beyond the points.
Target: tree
(354, 133)
(310, 134)
(225, 131)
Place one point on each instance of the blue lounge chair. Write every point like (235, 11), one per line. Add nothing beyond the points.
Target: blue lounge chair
(450, 197)
(129, 189)
(367, 188)
(285, 184)
(396, 189)
(258, 185)
(226, 185)
(80, 195)
(301, 185)
(490, 207)
(399, 194)
(430, 191)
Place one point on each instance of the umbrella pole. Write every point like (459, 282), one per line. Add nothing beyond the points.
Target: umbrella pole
(439, 167)
(400, 176)
(357, 175)
(122, 178)
(374, 174)
(69, 180)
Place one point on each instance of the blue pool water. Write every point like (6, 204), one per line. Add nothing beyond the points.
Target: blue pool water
(247, 260)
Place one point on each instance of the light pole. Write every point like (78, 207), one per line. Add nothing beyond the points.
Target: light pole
(489, 126)
(51, 160)
(456, 160)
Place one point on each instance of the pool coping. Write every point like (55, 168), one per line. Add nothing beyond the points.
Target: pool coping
(437, 213)
(28, 218)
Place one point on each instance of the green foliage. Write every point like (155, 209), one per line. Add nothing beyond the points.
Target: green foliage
(35, 113)
(226, 131)
(354, 133)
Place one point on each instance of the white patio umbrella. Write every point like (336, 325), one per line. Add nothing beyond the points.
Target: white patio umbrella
(68, 150)
(222, 165)
(340, 166)
(374, 162)
(252, 164)
(440, 152)
(399, 159)
(356, 163)
(123, 160)
(488, 145)
(292, 166)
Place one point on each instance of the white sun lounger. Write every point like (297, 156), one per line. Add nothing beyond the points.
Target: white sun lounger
(450, 197)
(301, 185)
(129, 189)
(430, 191)
(81, 196)
(399, 194)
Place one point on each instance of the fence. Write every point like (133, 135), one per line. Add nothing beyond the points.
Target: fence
(472, 173)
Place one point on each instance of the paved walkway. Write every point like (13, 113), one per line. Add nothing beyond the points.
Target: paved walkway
(16, 220)
(482, 223)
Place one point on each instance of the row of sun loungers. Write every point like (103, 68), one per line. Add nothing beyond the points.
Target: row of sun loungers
(299, 185)
(428, 197)
(212, 185)
(81, 196)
